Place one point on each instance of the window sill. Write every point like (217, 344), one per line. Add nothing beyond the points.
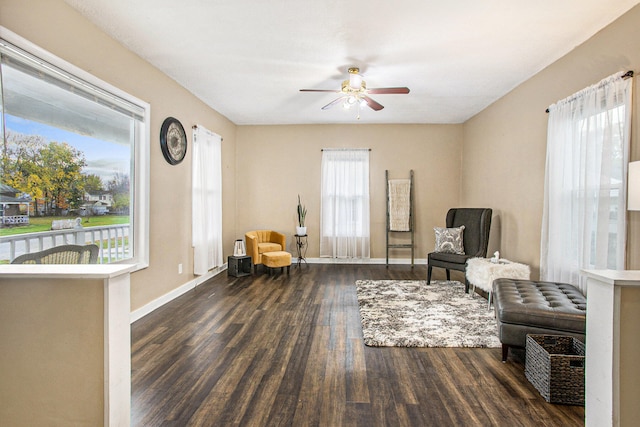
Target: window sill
(91, 271)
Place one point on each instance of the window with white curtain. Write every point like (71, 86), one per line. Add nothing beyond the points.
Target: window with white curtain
(344, 224)
(584, 222)
(206, 210)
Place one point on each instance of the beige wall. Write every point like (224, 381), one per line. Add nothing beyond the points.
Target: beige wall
(496, 159)
(276, 163)
(505, 145)
(56, 27)
(52, 358)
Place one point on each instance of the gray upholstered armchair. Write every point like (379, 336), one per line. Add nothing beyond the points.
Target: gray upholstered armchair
(477, 223)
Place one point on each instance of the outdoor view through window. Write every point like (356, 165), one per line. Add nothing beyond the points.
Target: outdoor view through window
(68, 160)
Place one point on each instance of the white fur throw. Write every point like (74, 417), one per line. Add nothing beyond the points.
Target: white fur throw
(399, 204)
(481, 272)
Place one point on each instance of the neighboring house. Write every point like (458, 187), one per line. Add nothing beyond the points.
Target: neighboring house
(98, 203)
(14, 206)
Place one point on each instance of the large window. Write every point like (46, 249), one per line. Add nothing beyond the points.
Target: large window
(74, 158)
(584, 224)
(344, 225)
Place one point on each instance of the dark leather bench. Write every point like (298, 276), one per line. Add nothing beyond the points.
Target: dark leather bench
(528, 307)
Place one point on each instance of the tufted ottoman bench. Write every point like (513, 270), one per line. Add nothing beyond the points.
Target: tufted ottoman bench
(276, 259)
(527, 307)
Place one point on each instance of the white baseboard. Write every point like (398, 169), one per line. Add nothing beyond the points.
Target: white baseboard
(159, 302)
(170, 296)
(378, 261)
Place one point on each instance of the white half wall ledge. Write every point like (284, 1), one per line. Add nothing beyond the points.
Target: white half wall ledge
(56, 271)
(612, 377)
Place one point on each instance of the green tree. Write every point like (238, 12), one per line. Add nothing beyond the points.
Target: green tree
(119, 189)
(93, 184)
(63, 181)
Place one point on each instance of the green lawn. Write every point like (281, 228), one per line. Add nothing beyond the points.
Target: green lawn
(43, 223)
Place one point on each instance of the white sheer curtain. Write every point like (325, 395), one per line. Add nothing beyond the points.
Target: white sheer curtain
(206, 200)
(344, 210)
(583, 224)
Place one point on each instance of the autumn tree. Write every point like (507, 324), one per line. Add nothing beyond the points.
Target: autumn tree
(51, 172)
(22, 163)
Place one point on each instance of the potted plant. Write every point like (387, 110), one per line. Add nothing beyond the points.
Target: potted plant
(301, 230)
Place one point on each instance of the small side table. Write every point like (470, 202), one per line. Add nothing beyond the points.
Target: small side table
(301, 247)
(239, 266)
(481, 272)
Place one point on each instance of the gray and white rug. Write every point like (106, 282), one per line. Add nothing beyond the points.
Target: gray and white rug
(402, 313)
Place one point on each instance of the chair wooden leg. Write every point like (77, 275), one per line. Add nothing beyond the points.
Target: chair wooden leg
(448, 274)
(429, 274)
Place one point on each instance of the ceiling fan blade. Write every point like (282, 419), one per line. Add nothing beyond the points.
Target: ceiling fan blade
(373, 104)
(320, 90)
(380, 90)
(334, 102)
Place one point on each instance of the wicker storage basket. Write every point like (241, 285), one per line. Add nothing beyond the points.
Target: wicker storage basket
(554, 364)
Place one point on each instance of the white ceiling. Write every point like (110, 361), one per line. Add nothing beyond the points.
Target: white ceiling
(248, 59)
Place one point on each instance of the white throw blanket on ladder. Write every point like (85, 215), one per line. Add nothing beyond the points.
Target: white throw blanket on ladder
(399, 204)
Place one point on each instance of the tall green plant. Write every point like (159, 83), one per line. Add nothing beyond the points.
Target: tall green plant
(302, 212)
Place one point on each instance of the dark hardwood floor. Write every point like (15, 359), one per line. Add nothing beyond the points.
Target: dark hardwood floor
(287, 350)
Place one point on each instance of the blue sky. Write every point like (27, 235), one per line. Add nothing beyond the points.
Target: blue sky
(103, 158)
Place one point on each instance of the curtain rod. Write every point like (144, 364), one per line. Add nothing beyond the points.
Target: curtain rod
(344, 149)
(194, 127)
(625, 76)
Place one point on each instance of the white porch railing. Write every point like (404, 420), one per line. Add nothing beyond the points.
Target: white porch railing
(15, 219)
(113, 241)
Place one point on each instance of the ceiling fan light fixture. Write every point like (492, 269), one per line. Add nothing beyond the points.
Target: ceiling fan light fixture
(355, 79)
(354, 92)
(350, 101)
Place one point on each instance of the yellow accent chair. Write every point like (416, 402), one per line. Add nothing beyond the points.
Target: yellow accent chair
(261, 241)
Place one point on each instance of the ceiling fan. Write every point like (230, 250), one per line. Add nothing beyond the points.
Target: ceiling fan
(355, 93)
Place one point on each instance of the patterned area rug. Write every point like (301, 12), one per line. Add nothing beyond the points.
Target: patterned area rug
(402, 313)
